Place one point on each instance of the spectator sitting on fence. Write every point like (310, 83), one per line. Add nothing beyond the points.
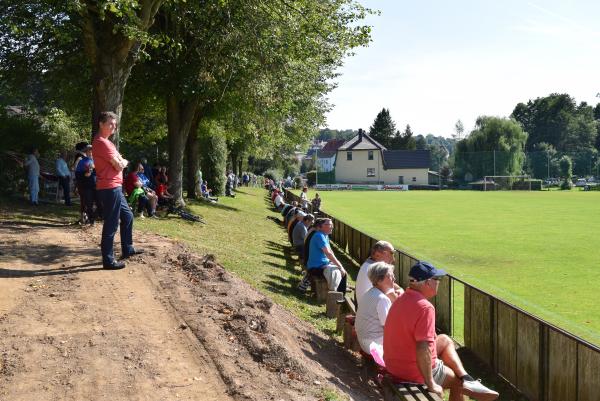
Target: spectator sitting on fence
(321, 259)
(382, 251)
(374, 306)
(64, 177)
(299, 234)
(206, 192)
(298, 216)
(414, 353)
(316, 203)
(305, 282)
(290, 214)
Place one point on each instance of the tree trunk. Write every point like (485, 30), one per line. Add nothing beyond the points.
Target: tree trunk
(193, 158)
(240, 165)
(180, 117)
(112, 55)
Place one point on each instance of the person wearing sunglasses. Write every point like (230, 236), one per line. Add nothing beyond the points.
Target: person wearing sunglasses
(414, 353)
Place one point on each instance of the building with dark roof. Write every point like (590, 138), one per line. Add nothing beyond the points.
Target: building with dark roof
(363, 160)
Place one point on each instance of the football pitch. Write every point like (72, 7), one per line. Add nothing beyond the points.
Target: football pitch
(539, 251)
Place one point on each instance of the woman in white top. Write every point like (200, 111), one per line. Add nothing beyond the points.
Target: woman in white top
(374, 305)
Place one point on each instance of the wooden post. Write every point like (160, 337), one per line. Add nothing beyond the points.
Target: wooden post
(333, 306)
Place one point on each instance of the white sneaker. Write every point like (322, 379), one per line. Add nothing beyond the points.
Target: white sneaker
(477, 391)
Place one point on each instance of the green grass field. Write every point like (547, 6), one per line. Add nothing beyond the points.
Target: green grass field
(537, 250)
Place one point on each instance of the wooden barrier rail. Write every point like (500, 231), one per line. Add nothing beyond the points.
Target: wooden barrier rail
(541, 360)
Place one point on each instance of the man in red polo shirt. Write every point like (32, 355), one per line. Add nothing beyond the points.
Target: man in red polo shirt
(109, 179)
(411, 347)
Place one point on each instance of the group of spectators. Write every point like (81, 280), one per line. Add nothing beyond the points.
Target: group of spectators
(395, 326)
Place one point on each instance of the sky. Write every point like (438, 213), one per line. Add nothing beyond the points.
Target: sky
(433, 62)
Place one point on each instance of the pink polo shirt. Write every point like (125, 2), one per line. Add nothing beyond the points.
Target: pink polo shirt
(411, 319)
(106, 175)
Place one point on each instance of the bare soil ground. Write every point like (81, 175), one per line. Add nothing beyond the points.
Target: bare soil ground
(172, 325)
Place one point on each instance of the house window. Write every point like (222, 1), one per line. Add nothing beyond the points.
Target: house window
(414, 179)
(401, 180)
(370, 172)
(348, 155)
(370, 155)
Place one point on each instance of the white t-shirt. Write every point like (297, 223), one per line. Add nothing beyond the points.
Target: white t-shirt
(278, 200)
(372, 312)
(363, 284)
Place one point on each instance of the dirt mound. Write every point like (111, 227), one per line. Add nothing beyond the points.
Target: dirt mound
(261, 350)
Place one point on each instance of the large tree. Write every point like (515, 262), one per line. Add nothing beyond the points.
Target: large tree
(48, 38)
(250, 64)
(558, 121)
(495, 147)
(383, 129)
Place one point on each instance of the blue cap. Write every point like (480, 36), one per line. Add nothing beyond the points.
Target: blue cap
(422, 271)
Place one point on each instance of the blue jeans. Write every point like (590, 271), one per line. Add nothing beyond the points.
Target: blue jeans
(115, 208)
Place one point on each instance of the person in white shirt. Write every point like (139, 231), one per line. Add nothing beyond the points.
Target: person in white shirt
(374, 305)
(33, 175)
(64, 177)
(382, 251)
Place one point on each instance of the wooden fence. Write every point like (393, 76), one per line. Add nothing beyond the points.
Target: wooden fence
(541, 360)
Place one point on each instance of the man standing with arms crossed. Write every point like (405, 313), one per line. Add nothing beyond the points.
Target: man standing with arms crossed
(109, 180)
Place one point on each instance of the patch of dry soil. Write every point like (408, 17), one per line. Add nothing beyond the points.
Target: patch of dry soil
(171, 325)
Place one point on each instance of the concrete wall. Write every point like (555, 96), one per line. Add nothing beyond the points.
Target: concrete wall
(355, 170)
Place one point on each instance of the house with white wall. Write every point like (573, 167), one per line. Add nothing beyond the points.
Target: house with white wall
(363, 160)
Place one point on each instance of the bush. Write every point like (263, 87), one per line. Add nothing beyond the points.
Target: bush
(311, 178)
(213, 156)
(566, 184)
(298, 182)
(523, 185)
(273, 174)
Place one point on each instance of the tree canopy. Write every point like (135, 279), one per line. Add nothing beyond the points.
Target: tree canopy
(494, 147)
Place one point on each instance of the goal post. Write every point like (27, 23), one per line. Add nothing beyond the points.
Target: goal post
(507, 182)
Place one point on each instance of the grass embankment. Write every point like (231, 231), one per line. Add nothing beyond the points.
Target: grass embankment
(241, 232)
(537, 250)
(245, 237)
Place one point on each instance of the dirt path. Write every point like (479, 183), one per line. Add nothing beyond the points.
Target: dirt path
(172, 325)
(72, 331)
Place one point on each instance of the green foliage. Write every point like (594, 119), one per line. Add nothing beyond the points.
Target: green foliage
(62, 131)
(19, 133)
(311, 178)
(566, 171)
(543, 161)
(326, 134)
(404, 141)
(273, 174)
(383, 129)
(557, 120)
(213, 156)
(496, 138)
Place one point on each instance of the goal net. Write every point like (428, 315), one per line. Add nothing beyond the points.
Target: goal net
(507, 182)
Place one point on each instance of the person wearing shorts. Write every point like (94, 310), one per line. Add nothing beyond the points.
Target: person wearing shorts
(414, 353)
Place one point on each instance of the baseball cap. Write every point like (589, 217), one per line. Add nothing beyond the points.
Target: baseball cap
(422, 271)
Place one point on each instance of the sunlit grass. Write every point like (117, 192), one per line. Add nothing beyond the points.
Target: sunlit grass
(537, 250)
